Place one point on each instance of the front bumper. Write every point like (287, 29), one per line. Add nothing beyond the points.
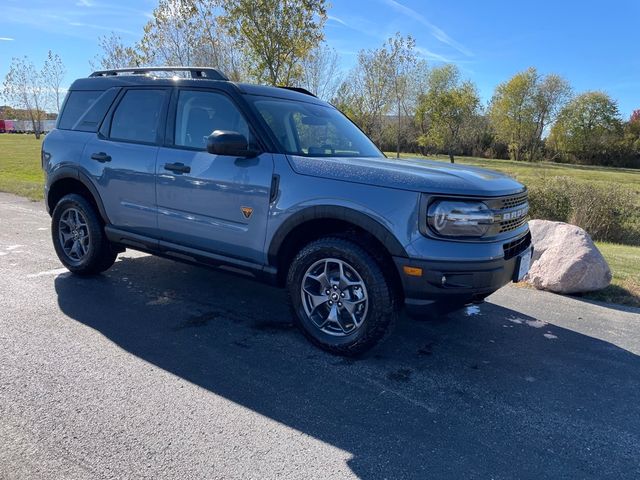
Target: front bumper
(457, 282)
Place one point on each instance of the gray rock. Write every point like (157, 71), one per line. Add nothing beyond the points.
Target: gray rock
(565, 259)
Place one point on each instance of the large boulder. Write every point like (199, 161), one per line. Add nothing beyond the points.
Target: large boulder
(565, 259)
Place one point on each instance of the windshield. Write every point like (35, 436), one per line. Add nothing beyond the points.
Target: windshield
(312, 130)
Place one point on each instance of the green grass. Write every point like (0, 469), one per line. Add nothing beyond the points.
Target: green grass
(624, 261)
(20, 173)
(20, 170)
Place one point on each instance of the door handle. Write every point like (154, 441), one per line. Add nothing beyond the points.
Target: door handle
(177, 167)
(101, 157)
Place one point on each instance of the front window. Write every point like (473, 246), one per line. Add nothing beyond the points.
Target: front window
(313, 130)
(199, 113)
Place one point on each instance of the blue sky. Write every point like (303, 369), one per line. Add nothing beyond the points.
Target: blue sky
(595, 45)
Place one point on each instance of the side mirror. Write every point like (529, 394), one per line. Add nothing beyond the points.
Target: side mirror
(226, 142)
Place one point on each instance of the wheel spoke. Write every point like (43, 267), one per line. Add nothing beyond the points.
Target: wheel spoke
(345, 326)
(66, 236)
(82, 246)
(321, 279)
(351, 305)
(67, 223)
(315, 299)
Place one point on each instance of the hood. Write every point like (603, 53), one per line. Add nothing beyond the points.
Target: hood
(428, 176)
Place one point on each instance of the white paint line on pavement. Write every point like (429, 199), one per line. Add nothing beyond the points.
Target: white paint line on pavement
(472, 310)
(57, 271)
(536, 323)
(3, 253)
(13, 247)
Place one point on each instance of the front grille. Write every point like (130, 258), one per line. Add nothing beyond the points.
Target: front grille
(515, 201)
(510, 205)
(516, 247)
(507, 226)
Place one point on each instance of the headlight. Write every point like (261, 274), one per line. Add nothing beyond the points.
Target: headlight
(459, 219)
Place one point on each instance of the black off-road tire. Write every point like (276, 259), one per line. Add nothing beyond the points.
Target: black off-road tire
(100, 255)
(383, 305)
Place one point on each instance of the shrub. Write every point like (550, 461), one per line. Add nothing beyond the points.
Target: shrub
(607, 211)
(551, 200)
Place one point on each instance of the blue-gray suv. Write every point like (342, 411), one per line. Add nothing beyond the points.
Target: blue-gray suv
(182, 163)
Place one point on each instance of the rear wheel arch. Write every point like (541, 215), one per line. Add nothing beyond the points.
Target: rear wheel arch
(70, 180)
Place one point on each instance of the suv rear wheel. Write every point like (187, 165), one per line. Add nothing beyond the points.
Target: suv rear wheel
(340, 297)
(78, 236)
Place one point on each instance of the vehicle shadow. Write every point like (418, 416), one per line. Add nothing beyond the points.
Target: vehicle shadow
(486, 393)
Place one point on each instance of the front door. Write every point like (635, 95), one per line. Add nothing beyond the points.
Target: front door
(216, 203)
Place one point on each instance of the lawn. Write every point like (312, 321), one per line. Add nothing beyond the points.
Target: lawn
(624, 262)
(20, 173)
(20, 170)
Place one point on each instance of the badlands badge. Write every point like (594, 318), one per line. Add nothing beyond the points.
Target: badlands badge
(246, 211)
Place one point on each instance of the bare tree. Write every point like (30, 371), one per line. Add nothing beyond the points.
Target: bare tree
(386, 79)
(24, 88)
(321, 73)
(53, 73)
(115, 54)
(405, 67)
(188, 32)
(171, 36)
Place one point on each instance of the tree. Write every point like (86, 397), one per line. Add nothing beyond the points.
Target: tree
(523, 107)
(551, 93)
(275, 35)
(447, 106)
(53, 73)
(366, 93)
(321, 73)
(24, 88)
(171, 35)
(403, 67)
(115, 54)
(588, 129)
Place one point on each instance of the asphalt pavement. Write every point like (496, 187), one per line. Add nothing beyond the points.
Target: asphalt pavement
(157, 370)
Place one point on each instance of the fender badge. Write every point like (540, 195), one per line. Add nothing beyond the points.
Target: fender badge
(246, 211)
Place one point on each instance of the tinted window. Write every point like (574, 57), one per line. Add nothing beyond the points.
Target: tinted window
(90, 121)
(200, 113)
(137, 116)
(77, 103)
(314, 130)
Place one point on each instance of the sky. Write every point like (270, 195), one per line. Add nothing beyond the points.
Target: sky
(594, 45)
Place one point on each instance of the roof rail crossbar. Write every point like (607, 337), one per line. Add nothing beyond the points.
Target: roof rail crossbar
(196, 72)
(299, 90)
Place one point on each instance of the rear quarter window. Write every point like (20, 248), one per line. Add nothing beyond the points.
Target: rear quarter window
(75, 106)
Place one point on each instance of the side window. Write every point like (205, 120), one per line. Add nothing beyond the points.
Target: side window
(137, 116)
(76, 104)
(90, 121)
(200, 113)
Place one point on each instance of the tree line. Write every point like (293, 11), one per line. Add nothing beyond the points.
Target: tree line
(402, 103)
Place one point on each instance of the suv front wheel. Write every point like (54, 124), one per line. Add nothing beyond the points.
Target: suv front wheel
(340, 297)
(78, 237)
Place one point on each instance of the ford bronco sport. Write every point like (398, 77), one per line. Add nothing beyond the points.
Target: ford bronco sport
(182, 163)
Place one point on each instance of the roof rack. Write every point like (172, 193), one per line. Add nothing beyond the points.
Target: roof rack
(196, 72)
(299, 90)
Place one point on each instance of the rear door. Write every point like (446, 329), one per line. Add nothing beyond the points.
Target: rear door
(122, 159)
(216, 203)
